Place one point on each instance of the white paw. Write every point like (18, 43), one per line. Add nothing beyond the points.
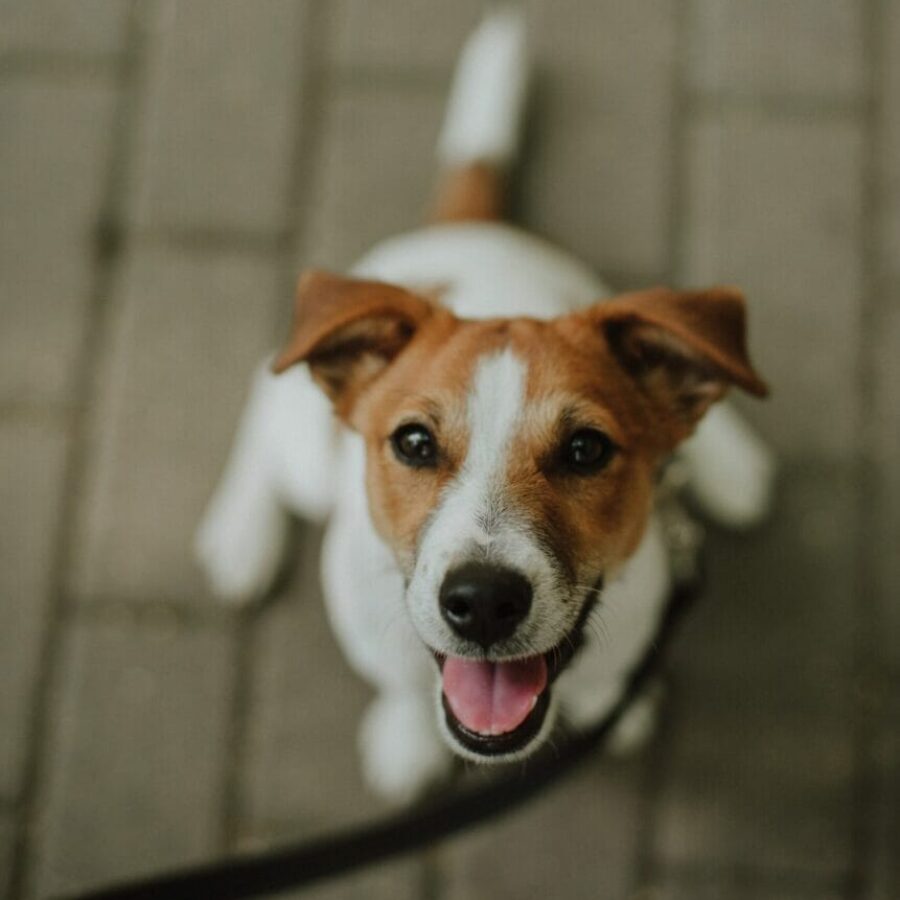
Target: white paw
(240, 542)
(402, 752)
(637, 724)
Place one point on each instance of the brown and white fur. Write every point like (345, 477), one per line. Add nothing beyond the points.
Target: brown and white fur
(502, 348)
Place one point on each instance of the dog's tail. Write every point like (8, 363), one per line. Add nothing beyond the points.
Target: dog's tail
(480, 136)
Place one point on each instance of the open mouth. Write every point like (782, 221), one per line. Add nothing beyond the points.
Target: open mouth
(497, 707)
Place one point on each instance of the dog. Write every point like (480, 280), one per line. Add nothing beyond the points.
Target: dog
(482, 426)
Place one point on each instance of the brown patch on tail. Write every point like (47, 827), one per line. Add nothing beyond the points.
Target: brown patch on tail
(470, 193)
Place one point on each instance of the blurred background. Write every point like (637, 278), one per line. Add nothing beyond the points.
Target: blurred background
(166, 169)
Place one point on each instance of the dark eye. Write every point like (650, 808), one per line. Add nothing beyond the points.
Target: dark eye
(588, 450)
(414, 445)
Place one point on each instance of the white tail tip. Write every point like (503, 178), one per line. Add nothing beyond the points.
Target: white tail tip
(487, 100)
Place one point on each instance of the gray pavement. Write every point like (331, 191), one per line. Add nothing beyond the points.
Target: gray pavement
(167, 167)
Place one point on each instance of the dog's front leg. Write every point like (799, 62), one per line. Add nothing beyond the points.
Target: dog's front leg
(281, 460)
(402, 753)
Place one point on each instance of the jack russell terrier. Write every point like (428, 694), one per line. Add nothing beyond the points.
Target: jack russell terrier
(483, 430)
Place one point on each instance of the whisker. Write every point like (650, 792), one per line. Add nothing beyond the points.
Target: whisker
(600, 628)
(552, 744)
(595, 631)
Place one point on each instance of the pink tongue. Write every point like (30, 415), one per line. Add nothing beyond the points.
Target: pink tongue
(493, 697)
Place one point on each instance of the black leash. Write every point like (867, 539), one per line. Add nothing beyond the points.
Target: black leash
(346, 851)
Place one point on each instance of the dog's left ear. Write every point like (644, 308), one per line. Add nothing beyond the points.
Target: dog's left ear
(685, 348)
(348, 330)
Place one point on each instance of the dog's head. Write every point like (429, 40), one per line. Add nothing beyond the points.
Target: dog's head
(511, 463)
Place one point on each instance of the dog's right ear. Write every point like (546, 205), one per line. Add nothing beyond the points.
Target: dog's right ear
(349, 330)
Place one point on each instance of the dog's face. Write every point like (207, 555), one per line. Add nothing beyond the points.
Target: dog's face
(510, 466)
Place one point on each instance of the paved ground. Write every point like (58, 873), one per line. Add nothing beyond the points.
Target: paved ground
(166, 168)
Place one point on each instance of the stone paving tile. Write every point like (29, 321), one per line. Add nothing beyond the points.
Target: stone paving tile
(748, 789)
(53, 149)
(774, 628)
(375, 171)
(774, 205)
(884, 878)
(742, 886)
(32, 460)
(137, 754)
(220, 116)
(762, 768)
(86, 27)
(598, 173)
(578, 840)
(803, 49)
(396, 33)
(188, 330)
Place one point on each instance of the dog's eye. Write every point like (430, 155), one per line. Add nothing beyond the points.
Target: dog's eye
(588, 450)
(414, 445)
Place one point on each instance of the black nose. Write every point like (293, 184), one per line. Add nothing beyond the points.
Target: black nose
(484, 603)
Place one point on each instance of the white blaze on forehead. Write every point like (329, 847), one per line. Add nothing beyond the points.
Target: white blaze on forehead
(495, 405)
(493, 410)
